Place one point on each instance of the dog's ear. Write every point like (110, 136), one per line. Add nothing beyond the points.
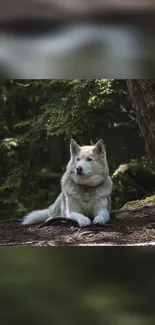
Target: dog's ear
(99, 147)
(74, 147)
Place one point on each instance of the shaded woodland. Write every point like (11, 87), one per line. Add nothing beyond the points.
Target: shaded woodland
(37, 120)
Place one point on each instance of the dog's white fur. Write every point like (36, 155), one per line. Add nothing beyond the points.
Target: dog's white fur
(82, 196)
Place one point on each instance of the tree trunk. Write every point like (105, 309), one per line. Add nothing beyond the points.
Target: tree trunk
(142, 93)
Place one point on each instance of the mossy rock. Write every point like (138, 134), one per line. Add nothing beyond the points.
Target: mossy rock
(132, 181)
(148, 201)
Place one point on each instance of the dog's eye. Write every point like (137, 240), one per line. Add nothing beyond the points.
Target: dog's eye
(89, 159)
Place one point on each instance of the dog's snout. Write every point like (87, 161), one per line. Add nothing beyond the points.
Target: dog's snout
(79, 170)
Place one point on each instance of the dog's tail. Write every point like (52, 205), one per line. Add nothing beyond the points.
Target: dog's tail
(39, 216)
(35, 217)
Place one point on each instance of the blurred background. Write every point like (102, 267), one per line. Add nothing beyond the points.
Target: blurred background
(77, 285)
(77, 39)
(39, 117)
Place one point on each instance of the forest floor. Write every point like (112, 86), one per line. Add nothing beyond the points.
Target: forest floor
(133, 227)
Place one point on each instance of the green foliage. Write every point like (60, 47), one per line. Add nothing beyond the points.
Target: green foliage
(78, 106)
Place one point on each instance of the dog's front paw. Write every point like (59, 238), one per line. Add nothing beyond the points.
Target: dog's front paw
(99, 220)
(102, 217)
(80, 219)
(83, 222)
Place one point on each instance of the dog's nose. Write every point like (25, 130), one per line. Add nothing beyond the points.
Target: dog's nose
(79, 170)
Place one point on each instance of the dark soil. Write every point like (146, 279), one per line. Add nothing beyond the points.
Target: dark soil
(129, 228)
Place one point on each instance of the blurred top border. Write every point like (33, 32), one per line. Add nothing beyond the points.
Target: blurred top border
(16, 10)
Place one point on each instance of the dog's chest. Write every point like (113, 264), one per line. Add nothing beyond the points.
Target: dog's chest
(86, 198)
(86, 195)
(87, 201)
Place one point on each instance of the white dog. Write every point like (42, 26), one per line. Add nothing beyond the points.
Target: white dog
(86, 189)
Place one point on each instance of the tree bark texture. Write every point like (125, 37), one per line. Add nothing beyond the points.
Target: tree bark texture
(142, 94)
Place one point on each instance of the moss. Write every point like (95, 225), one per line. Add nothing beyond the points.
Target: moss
(148, 201)
(133, 181)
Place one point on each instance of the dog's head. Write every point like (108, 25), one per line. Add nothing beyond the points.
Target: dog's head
(88, 164)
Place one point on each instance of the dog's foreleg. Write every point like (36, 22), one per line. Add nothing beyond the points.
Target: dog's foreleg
(73, 213)
(103, 214)
(80, 218)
